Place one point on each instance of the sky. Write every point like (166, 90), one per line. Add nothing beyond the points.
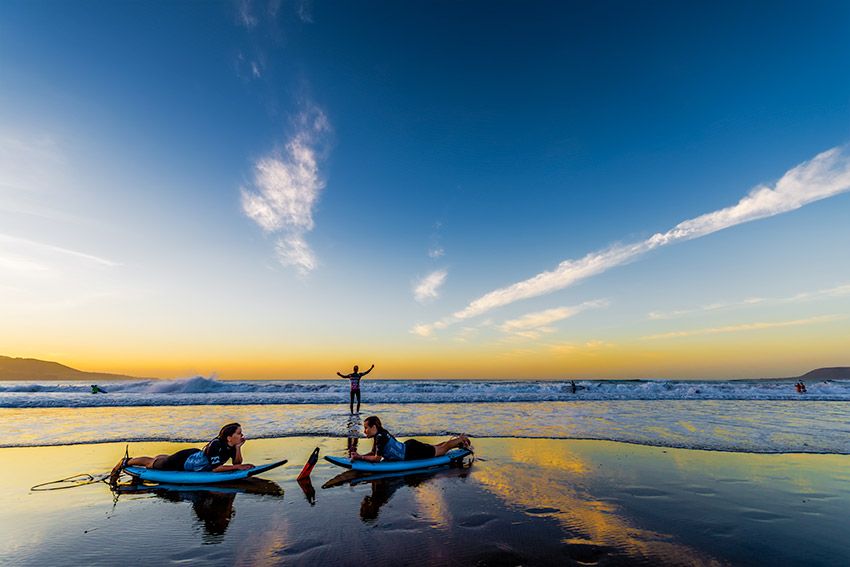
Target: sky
(499, 190)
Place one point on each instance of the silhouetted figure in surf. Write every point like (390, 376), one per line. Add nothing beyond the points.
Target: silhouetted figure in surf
(355, 385)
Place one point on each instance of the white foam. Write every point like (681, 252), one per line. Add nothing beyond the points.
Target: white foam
(209, 391)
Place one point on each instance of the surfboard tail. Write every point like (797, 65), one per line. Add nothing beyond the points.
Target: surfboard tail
(308, 467)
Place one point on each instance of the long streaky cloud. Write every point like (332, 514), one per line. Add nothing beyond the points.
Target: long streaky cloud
(286, 190)
(745, 327)
(837, 291)
(825, 175)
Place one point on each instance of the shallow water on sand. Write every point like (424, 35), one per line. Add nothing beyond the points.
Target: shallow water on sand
(753, 425)
(523, 501)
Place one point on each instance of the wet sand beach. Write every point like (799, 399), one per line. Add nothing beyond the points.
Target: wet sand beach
(521, 502)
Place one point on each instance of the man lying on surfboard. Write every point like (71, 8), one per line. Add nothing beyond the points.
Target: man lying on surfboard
(388, 448)
(228, 445)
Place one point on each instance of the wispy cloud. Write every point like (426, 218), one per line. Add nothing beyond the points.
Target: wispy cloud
(838, 291)
(34, 177)
(745, 327)
(20, 243)
(245, 15)
(293, 250)
(286, 190)
(305, 11)
(435, 249)
(18, 264)
(428, 288)
(466, 333)
(532, 325)
(825, 175)
(28, 164)
(586, 348)
(427, 330)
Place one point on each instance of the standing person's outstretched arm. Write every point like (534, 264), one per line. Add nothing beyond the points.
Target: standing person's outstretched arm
(368, 371)
(343, 375)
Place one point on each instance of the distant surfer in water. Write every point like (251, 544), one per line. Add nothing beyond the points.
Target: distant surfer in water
(355, 385)
(387, 447)
(95, 389)
(228, 445)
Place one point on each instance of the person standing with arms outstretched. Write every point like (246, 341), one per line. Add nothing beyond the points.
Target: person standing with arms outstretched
(355, 385)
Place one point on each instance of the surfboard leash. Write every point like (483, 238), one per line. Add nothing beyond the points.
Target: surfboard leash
(74, 481)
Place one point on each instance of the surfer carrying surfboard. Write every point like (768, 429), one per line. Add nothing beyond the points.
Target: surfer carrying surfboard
(388, 448)
(355, 385)
(212, 458)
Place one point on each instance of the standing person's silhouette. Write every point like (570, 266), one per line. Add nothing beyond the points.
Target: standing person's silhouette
(355, 385)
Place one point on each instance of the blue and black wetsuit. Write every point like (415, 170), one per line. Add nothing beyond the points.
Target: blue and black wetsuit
(391, 449)
(210, 457)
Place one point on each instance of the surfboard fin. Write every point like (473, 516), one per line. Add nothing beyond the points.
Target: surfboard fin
(308, 467)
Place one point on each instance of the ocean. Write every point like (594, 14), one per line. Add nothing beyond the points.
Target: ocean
(743, 416)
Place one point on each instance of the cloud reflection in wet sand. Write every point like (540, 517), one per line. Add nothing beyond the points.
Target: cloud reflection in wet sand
(540, 477)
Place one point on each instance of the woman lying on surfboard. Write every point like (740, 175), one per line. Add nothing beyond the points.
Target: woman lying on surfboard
(388, 448)
(228, 445)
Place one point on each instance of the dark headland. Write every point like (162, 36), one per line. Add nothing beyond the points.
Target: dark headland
(34, 369)
(834, 373)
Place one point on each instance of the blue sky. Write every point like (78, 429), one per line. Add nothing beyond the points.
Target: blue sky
(479, 144)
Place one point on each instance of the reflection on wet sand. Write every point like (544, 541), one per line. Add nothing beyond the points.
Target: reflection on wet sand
(353, 426)
(432, 506)
(307, 488)
(533, 479)
(382, 491)
(213, 505)
(524, 501)
(430, 502)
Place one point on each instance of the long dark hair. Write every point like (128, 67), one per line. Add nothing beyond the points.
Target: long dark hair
(369, 422)
(226, 432)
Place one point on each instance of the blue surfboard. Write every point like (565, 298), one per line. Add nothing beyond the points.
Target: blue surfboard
(186, 477)
(396, 466)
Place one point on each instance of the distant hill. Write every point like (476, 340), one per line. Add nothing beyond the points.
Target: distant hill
(36, 370)
(835, 373)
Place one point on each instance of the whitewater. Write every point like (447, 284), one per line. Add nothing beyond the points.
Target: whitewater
(210, 391)
(746, 416)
